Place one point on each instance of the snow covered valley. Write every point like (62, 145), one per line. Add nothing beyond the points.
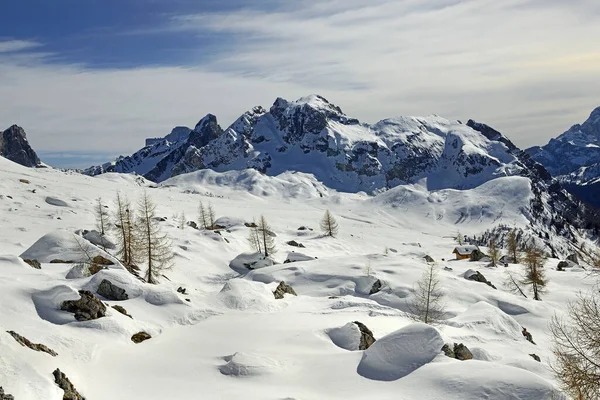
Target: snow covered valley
(218, 331)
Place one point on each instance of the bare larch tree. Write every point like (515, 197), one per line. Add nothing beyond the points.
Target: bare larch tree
(577, 348)
(155, 247)
(329, 225)
(428, 304)
(254, 238)
(494, 253)
(102, 219)
(123, 223)
(534, 275)
(513, 246)
(265, 237)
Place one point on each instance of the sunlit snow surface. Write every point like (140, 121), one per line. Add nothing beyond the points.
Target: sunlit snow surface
(232, 339)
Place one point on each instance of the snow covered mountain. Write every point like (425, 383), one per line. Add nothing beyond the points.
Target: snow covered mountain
(15, 147)
(314, 136)
(574, 158)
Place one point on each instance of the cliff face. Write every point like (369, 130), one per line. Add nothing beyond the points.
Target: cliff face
(15, 147)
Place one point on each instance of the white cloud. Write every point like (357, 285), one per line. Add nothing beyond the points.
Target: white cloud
(7, 46)
(530, 68)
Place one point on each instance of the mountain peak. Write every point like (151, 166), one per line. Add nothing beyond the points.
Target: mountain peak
(15, 147)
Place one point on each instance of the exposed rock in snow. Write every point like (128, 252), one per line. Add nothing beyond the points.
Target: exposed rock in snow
(109, 291)
(122, 310)
(477, 277)
(33, 263)
(140, 337)
(398, 354)
(240, 294)
(88, 307)
(283, 289)
(33, 346)
(5, 396)
(65, 384)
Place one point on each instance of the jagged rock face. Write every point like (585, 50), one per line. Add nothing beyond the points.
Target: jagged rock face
(574, 158)
(88, 307)
(314, 136)
(15, 147)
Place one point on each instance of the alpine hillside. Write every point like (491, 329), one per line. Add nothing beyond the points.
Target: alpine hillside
(574, 158)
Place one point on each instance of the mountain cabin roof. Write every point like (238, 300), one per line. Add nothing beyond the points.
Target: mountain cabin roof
(465, 250)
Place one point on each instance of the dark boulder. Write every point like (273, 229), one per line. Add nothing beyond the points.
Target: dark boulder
(295, 244)
(109, 291)
(477, 255)
(527, 335)
(102, 260)
(536, 357)
(65, 384)
(192, 224)
(478, 277)
(4, 396)
(428, 258)
(376, 287)
(23, 341)
(366, 336)
(88, 307)
(33, 263)
(448, 351)
(122, 310)
(461, 352)
(140, 337)
(282, 289)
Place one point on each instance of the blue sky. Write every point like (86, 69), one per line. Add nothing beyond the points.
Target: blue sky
(89, 80)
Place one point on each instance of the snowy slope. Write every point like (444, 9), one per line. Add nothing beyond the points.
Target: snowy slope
(232, 339)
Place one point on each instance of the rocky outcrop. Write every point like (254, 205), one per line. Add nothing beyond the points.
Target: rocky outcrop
(33, 346)
(122, 310)
(88, 307)
(428, 258)
(527, 335)
(293, 243)
(65, 384)
(15, 147)
(366, 336)
(459, 351)
(376, 287)
(5, 396)
(110, 291)
(478, 277)
(283, 289)
(33, 263)
(99, 260)
(140, 337)
(536, 357)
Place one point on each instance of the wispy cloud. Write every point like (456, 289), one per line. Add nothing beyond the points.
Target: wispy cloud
(7, 46)
(530, 68)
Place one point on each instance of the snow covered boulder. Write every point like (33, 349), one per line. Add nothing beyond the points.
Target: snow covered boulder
(295, 257)
(401, 352)
(249, 261)
(119, 279)
(240, 294)
(53, 201)
(248, 364)
(477, 277)
(484, 317)
(352, 336)
(98, 239)
(62, 245)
